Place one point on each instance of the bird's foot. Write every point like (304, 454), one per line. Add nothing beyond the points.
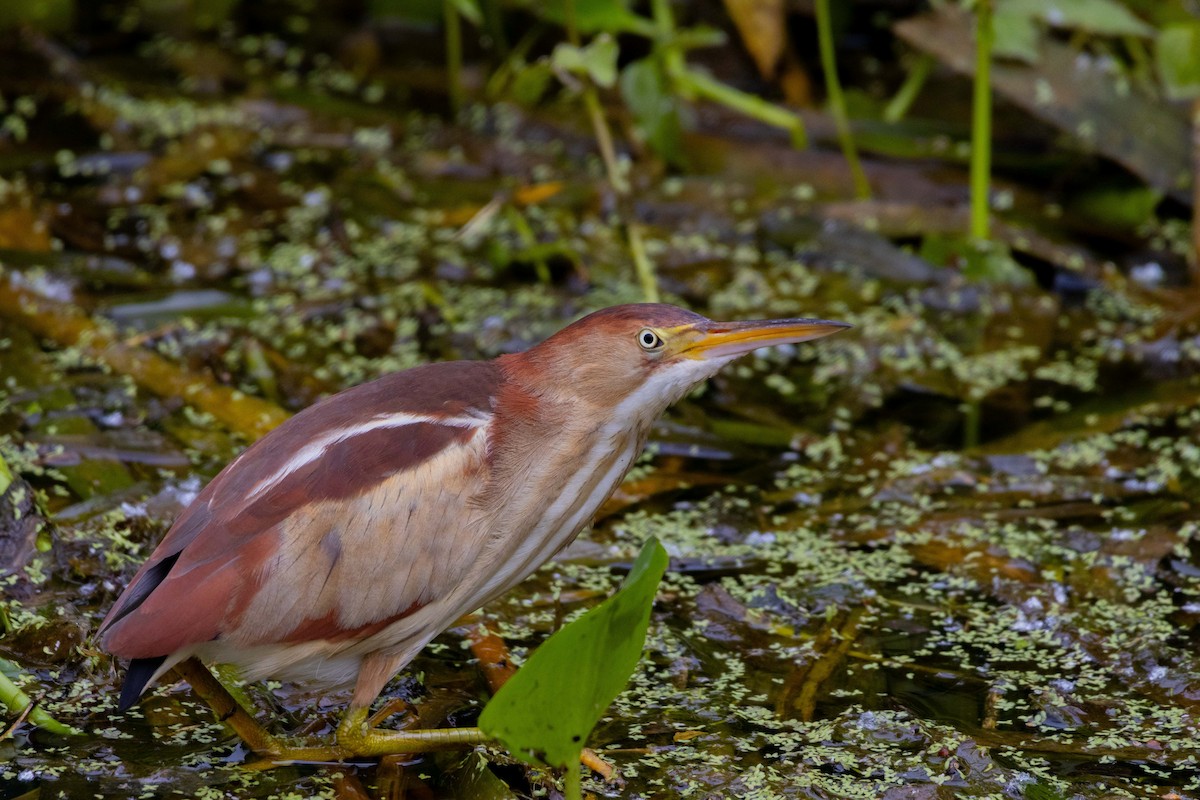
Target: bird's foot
(359, 735)
(360, 738)
(391, 707)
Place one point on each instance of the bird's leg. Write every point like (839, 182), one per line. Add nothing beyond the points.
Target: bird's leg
(359, 735)
(358, 738)
(356, 735)
(229, 711)
(226, 707)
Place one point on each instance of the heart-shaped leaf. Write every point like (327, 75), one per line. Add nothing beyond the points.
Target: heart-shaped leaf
(546, 711)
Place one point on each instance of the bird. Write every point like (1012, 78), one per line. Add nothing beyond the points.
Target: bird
(333, 549)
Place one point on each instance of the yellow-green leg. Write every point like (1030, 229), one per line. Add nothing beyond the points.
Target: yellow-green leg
(229, 711)
(357, 735)
(356, 738)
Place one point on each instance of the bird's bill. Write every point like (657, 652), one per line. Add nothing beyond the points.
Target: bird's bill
(729, 339)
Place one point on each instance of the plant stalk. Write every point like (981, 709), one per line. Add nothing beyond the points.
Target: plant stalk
(6, 476)
(981, 122)
(1194, 261)
(837, 101)
(574, 788)
(899, 105)
(972, 423)
(604, 141)
(642, 263)
(664, 23)
(697, 84)
(454, 56)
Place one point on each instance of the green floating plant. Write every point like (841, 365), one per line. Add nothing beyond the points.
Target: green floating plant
(17, 702)
(545, 712)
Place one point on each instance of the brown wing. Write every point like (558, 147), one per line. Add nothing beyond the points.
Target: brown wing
(309, 496)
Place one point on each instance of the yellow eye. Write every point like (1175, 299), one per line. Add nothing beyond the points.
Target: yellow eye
(649, 340)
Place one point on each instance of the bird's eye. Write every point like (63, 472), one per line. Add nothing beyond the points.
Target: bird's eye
(649, 340)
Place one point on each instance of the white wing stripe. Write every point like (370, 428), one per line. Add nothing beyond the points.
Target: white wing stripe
(316, 448)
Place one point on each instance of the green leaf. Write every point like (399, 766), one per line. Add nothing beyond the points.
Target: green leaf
(468, 10)
(1178, 56)
(594, 16)
(1117, 208)
(530, 82)
(655, 109)
(546, 711)
(598, 60)
(696, 37)
(6, 476)
(1016, 35)
(983, 261)
(1100, 17)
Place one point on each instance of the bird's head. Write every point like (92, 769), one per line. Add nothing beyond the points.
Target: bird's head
(651, 354)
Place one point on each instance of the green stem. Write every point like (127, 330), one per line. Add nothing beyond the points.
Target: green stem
(690, 84)
(258, 368)
(16, 701)
(972, 423)
(837, 102)
(493, 20)
(604, 140)
(505, 74)
(454, 56)
(667, 44)
(981, 121)
(570, 19)
(1194, 261)
(642, 263)
(595, 111)
(703, 86)
(529, 243)
(6, 476)
(574, 788)
(899, 105)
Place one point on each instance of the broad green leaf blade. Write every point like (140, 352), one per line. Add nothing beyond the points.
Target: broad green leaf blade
(547, 710)
(531, 81)
(1178, 56)
(598, 60)
(1117, 207)
(1016, 35)
(655, 109)
(1099, 17)
(594, 16)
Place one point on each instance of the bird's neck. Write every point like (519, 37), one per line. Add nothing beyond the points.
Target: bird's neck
(548, 428)
(576, 454)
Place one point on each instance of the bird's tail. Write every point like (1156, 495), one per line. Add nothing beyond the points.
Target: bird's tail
(140, 671)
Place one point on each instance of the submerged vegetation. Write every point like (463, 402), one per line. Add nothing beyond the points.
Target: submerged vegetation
(954, 552)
